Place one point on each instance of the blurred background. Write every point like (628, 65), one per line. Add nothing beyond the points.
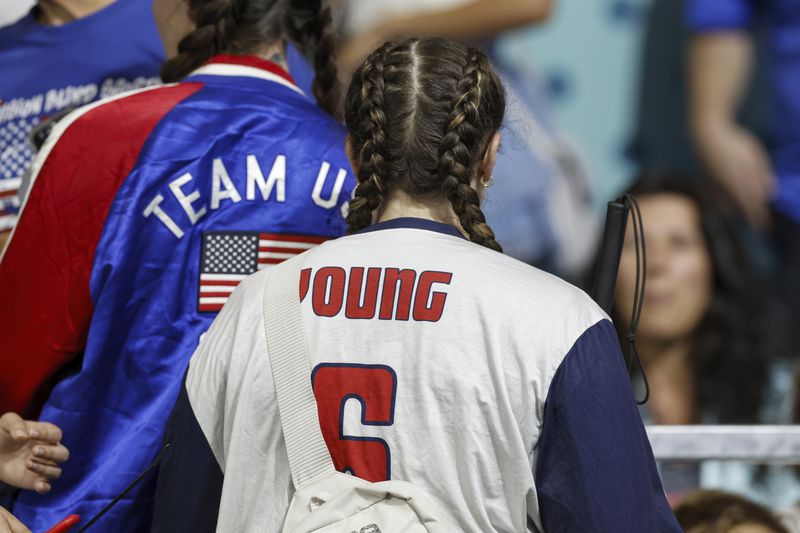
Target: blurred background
(694, 106)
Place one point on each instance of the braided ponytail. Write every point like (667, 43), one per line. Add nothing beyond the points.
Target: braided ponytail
(457, 161)
(310, 26)
(371, 144)
(213, 20)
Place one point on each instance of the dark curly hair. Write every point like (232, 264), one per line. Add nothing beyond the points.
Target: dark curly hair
(421, 114)
(244, 26)
(714, 511)
(728, 356)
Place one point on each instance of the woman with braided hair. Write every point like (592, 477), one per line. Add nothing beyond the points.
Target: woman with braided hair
(144, 214)
(497, 389)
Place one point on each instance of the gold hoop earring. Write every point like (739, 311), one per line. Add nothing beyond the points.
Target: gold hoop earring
(487, 183)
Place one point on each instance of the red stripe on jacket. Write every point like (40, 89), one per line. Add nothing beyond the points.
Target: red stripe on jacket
(45, 303)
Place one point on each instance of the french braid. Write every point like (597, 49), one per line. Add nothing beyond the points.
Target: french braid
(310, 26)
(371, 145)
(457, 152)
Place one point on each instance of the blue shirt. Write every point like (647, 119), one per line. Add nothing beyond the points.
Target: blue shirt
(48, 69)
(783, 17)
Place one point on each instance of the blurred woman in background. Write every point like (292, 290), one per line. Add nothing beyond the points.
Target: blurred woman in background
(701, 337)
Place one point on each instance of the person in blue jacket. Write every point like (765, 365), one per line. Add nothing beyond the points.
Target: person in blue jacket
(144, 213)
(61, 55)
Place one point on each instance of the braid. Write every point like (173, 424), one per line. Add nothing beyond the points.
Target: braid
(372, 145)
(310, 26)
(460, 142)
(214, 20)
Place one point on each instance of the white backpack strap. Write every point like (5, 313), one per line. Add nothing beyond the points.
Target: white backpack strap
(309, 459)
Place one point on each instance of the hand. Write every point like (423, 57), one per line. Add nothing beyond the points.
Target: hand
(9, 524)
(739, 163)
(30, 453)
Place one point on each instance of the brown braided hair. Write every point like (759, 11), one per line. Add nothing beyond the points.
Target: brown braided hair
(421, 114)
(245, 26)
(310, 27)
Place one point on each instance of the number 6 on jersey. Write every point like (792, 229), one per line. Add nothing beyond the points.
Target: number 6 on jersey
(375, 388)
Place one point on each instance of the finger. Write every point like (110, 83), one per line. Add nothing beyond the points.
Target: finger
(14, 425)
(43, 469)
(12, 524)
(45, 462)
(42, 486)
(44, 431)
(58, 452)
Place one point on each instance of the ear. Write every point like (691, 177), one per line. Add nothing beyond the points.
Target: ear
(486, 166)
(348, 149)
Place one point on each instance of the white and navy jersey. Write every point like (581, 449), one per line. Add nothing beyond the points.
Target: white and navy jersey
(496, 388)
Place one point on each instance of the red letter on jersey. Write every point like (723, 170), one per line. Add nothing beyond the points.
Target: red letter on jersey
(405, 278)
(325, 304)
(432, 313)
(305, 280)
(354, 308)
(375, 388)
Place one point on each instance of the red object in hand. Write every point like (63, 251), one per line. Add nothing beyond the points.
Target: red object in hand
(65, 525)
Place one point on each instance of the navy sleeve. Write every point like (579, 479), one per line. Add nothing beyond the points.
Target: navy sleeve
(595, 470)
(189, 477)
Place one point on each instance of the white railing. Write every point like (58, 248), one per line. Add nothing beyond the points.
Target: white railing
(762, 444)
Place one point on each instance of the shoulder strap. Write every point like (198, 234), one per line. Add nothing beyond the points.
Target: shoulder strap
(309, 459)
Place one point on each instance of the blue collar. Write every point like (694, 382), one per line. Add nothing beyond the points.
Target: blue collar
(413, 223)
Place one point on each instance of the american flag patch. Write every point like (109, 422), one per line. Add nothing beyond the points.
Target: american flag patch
(227, 257)
(9, 203)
